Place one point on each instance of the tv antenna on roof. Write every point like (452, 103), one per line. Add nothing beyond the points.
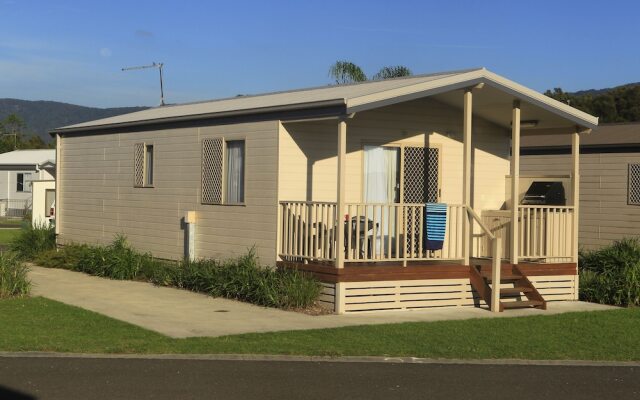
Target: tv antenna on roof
(154, 65)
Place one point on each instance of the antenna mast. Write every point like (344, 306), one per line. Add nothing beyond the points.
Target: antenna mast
(154, 65)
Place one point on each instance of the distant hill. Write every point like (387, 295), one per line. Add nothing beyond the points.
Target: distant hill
(616, 104)
(597, 92)
(42, 116)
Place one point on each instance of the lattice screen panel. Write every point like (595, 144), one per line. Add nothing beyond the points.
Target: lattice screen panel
(212, 167)
(634, 184)
(138, 165)
(421, 174)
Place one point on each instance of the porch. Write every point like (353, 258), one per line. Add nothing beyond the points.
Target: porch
(410, 205)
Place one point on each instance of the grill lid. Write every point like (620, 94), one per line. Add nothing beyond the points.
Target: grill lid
(545, 193)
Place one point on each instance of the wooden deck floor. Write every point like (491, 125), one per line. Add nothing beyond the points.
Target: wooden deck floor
(364, 272)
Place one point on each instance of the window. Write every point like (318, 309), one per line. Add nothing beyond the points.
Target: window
(234, 161)
(148, 165)
(49, 201)
(143, 165)
(20, 185)
(633, 190)
(223, 165)
(23, 182)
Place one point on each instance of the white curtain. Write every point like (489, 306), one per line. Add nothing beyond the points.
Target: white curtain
(234, 189)
(380, 184)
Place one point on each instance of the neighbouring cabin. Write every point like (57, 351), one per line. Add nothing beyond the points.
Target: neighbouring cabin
(18, 170)
(609, 178)
(395, 194)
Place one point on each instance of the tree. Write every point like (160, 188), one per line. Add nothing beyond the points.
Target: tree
(620, 104)
(11, 127)
(12, 135)
(348, 72)
(395, 71)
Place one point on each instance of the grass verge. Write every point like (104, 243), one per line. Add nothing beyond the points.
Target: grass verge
(38, 324)
(7, 235)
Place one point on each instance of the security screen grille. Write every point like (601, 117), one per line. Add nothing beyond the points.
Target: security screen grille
(634, 184)
(212, 167)
(420, 179)
(421, 174)
(138, 165)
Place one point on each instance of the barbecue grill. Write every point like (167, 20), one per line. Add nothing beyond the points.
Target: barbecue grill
(545, 193)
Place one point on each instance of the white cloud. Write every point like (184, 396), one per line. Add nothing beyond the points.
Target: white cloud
(105, 52)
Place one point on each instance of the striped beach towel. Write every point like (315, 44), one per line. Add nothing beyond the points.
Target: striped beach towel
(435, 225)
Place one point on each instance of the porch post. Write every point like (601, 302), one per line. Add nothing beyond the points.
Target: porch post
(575, 190)
(515, 179)
(340, 204)
(467, 226)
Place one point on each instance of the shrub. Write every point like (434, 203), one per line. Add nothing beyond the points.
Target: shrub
(611, 275)
(33, 240)
(116, 261)
(66, 257)
(13, 277)
(242, 278)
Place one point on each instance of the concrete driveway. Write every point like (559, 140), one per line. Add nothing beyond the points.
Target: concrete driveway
(180, 313)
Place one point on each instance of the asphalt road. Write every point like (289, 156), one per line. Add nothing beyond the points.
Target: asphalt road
(87, 378)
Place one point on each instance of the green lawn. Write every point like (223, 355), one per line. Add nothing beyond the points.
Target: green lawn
(6, 235)
(38, 324)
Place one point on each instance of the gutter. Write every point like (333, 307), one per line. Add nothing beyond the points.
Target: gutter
(194, 117)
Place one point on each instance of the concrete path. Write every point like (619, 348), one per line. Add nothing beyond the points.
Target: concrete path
(180, 313)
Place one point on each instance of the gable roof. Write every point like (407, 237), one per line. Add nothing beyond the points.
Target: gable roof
(35, 157)
(347, 98)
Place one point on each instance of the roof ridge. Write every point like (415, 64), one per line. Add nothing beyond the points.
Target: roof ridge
(460, 71)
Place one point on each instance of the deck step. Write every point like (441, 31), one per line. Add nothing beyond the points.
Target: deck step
(506, 277)
(515, 290)
(522, 304)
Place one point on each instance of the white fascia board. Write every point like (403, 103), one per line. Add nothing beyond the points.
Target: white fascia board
(412, 92)
(471, 79)
(541, 100)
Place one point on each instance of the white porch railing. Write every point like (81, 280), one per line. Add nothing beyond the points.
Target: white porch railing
(307, 230)
(373, 232)
(545, 233)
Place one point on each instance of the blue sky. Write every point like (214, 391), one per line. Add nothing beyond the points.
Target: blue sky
(73, 51)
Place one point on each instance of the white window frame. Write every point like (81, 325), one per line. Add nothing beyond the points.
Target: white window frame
(219, 177)
(143, 167)
(225, 199)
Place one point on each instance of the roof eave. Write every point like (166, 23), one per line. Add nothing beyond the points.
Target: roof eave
(545, 102)
(225, 114)
(470, 79)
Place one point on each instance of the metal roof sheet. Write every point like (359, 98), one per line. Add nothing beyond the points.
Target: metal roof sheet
(28, 157)
(354, 97)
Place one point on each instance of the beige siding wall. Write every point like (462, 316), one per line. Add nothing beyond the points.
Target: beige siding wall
(98, 200)
(308, 152)
(604, 213)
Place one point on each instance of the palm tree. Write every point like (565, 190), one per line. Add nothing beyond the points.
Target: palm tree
(348, 72)
(395, 71)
